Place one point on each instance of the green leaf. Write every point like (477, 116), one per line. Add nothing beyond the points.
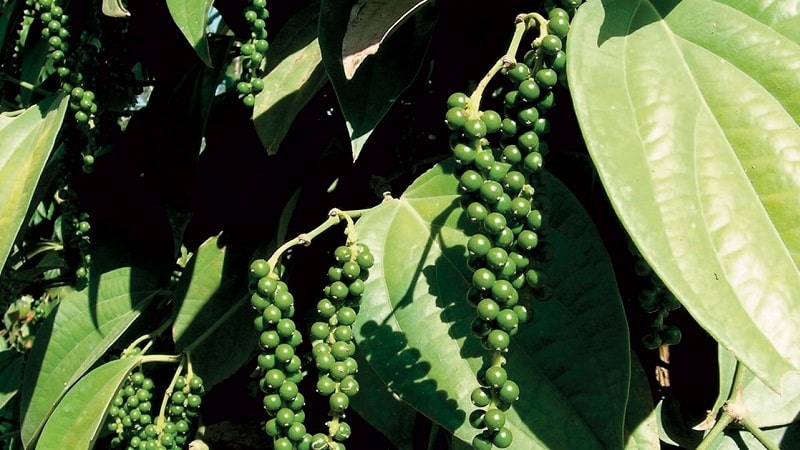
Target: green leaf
(572, 362)
(294, 75)
(381, 79)
(641, 426)
(10, 375)
(26, 139)
(764, 406)
(690, 112)
(212, 316)
(83, 327)
(381, 409)
(114, 8)
(191, 18)
(77, 419)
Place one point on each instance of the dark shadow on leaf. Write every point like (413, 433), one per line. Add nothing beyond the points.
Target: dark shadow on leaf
(404, 373)
(624, 17)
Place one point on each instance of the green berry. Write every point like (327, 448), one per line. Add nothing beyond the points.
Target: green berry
(518, 72)
(498, 340)
(456, 118)
(551, 44)
(338, 402)
(492, 120)
(457, 99)
(502, 438)
(487, 309)
(494, 419)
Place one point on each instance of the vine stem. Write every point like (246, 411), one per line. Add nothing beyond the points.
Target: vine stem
(24, 84)
(734, 410)
(522, 24)
(335, 216)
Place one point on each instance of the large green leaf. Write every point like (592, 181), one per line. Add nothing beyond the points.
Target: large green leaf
(381, 79)
(85, 324)
(191, 18)
(294, 75)
(764, 406)
(213, 318)
(690, 112)
(572, 361)
(26, 139)
(77, 419)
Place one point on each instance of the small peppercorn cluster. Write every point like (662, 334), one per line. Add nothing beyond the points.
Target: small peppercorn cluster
(131, 417)
(253, 52)
(500, 157)
(278, 360)
(655, 298)
(333, 339)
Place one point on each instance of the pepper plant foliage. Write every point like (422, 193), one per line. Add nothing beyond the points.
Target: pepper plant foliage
(165, 165)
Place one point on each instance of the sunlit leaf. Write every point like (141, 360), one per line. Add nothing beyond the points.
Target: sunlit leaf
(764, 406)
(26, 139)
(294, 75)
(690, 112)
(114, 8)
(785, 437)
(572, 362)
(381, 79)
(370, 23)
(77, 419)
(75, 336)
(191, 18)
(641, 426)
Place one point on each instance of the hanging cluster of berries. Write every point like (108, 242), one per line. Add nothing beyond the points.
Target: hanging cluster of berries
(253, 52)
(333, 339)
(279, 364)
(138, 426)
(655, 298)
(500, 156)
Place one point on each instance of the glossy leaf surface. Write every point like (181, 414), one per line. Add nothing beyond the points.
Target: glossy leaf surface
(572, 361)
(191, 18)
(75, 336)
(294, 75)
(79, 416)
(381, 79)
(690, 112)
(28, 137)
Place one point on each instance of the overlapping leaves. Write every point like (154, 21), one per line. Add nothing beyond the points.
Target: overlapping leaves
(690, 112)
(83, 327)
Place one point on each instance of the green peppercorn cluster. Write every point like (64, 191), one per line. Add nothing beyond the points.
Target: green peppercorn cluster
(500, 156)
(655, 298)
(278, 361)
(333, 339)
(139, 426)
(253, 52)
